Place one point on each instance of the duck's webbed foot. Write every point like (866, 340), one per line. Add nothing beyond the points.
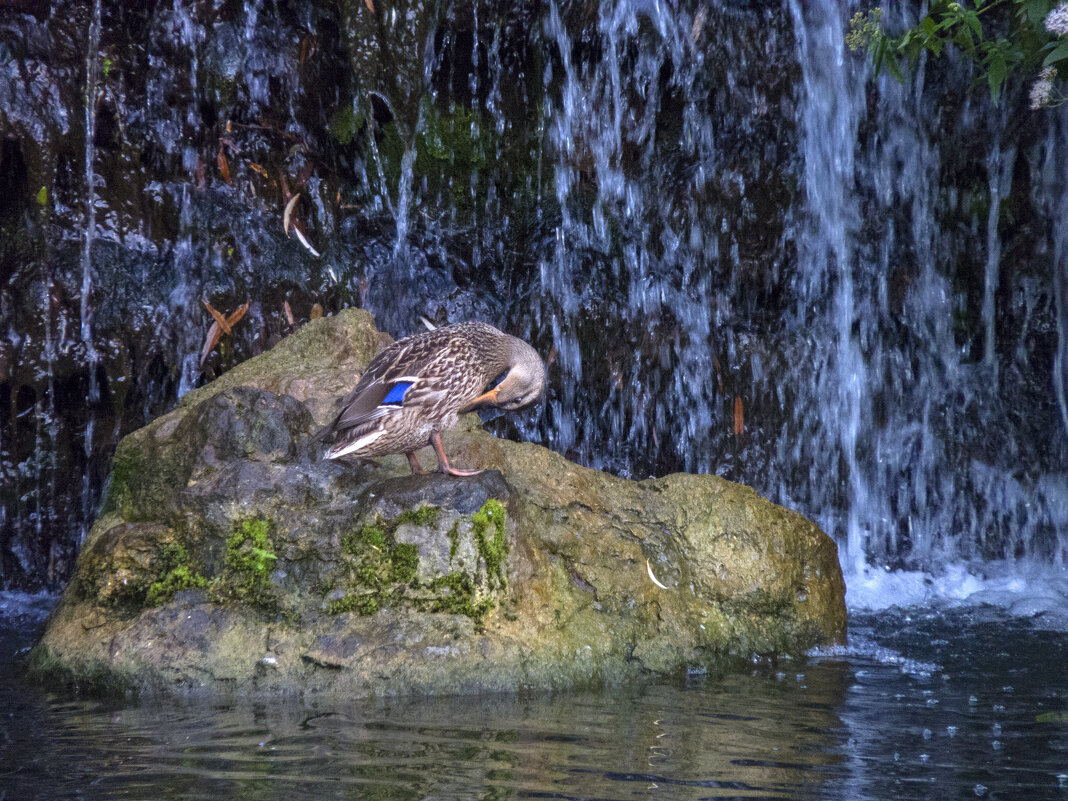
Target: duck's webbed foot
(443, 460)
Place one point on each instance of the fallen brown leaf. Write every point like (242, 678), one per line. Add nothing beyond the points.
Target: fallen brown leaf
(238, 313)
(219, 318)
(739, 416)
(224, 167)
(222, 323)
(288, 213)
(289, 313)
(370, 5)
(258, 169)
(210, 341)
(304, 240)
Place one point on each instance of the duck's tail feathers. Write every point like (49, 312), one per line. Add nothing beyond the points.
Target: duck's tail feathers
(322, 433)
(352, 446)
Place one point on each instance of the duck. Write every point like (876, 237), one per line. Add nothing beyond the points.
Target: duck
(418, 387)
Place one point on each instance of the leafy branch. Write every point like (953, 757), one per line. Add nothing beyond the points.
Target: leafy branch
(1022, 36)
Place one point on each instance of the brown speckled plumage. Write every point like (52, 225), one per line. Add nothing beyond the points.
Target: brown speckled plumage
(449, 370)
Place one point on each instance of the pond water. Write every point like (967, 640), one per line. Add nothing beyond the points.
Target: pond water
(923, 703)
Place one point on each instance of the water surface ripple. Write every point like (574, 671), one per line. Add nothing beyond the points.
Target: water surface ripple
(921, 704)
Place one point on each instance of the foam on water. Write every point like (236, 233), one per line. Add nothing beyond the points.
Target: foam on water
(867, 649)
(23, 609)
(1022, 589)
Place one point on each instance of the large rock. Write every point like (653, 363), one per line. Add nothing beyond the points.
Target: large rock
(228, 557)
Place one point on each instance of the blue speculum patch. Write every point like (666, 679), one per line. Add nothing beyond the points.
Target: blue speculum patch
(396, 394)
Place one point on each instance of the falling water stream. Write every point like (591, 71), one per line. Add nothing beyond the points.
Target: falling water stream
(740, 251)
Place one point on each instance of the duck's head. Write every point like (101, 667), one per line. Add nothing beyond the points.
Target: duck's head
(523, 382)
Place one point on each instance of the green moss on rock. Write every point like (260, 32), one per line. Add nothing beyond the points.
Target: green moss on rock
(344, 124)
(380, 567)
(384, 572)
(425, 515)
(176, 574)
(458, 594)
(366, 603)
(249, 562)
(405, 562)
(487, 526)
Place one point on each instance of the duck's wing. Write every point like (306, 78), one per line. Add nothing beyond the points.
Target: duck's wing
(422, 372)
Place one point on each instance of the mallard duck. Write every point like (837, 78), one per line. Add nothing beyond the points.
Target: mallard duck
(419, 385)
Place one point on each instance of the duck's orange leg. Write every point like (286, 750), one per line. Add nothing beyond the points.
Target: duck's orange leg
(443, 460)
(417, 469)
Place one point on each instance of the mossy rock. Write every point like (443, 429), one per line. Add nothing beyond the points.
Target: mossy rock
(230, 558)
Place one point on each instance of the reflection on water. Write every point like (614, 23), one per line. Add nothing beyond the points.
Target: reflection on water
(918, 706)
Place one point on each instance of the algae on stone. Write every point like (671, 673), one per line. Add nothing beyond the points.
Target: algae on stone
(487, 526)
(249, 561)
(176, 574)
(385, 572)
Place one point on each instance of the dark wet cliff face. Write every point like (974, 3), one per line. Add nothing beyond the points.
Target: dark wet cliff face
(735, 253)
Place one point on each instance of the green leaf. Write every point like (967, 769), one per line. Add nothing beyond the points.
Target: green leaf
(895, 69)
(995, 75)
(1052, 717)
(880, 54)
(42, 196)
(1059, 52)
(1037, 11)
(973, 22)
(928, 26)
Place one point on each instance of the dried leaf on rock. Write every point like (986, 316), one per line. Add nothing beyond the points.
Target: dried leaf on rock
(238, 313)
(212, 339)
(224, 167)
(739, 416)
(304, 241)
(289, 212)
(221, 324)
(219, 317)
(656, 581)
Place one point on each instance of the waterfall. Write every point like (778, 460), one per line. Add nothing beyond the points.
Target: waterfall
(739, 251)
(1054, 201)
(827, 311)
(92, 59)
(869, 367)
